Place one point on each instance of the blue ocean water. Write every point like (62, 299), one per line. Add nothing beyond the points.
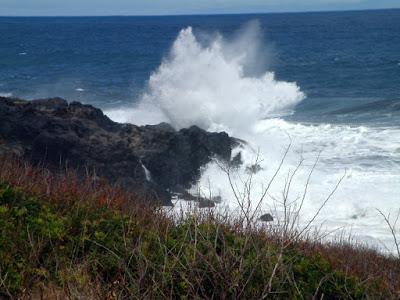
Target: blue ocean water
(343, 108)
(347, 63)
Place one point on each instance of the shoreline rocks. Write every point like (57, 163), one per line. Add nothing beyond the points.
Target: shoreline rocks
(266, 218)
(155, 159)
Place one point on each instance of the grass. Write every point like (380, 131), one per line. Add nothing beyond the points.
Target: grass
(84, 239)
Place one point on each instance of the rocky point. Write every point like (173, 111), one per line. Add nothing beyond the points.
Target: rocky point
(155, 159)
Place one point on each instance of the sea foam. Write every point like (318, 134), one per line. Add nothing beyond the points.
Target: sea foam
(4, 94)
(206, 85)
(213, 83)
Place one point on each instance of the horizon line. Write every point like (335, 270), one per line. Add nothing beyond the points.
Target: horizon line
(199, 14)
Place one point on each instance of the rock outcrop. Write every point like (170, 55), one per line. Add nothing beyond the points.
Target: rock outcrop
(155, 159)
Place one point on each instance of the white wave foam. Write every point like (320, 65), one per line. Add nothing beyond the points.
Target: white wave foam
(4, 94)
(367, 157)
(146, 172)
(212, 85)
(206, 85)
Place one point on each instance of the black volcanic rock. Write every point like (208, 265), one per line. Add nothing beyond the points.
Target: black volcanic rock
(57, 134)
(267, 218)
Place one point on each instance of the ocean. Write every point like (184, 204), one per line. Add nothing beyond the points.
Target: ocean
(326, 85)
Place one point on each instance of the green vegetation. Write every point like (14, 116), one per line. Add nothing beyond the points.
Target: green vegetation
(79, 245)
(81, 249)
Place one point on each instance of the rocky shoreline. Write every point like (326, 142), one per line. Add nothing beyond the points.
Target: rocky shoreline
(153, 159)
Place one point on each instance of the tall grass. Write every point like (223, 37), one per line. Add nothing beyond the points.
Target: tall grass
(67, 237)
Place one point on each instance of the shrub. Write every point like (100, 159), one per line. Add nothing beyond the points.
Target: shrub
(75, 246)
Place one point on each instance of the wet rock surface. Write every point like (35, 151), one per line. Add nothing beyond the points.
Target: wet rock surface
(59, 135)
(266, 218)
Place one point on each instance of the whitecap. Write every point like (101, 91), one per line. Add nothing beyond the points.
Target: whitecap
(205, 84)
(5, 94)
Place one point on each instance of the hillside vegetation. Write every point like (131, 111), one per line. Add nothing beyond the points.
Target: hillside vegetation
(61, 237)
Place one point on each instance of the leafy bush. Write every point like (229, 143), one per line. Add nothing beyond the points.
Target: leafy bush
(95, 250)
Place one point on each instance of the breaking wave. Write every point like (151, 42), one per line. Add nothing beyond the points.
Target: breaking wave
(216, 84)
(211, 85)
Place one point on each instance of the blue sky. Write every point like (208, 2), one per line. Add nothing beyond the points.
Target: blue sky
(164, 7)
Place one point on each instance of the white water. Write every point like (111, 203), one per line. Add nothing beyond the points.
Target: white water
(146, 172)
(4, 94)
(213, 85)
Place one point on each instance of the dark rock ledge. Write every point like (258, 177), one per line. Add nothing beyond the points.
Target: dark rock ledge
(56, 134)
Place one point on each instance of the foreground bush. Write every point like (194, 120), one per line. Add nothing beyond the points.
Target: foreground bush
(95, 251)
(79, 245)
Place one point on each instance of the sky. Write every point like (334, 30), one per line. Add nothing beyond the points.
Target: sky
(168, 7)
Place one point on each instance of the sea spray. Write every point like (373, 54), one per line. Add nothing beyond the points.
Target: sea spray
(212, 83)
(206, 85)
